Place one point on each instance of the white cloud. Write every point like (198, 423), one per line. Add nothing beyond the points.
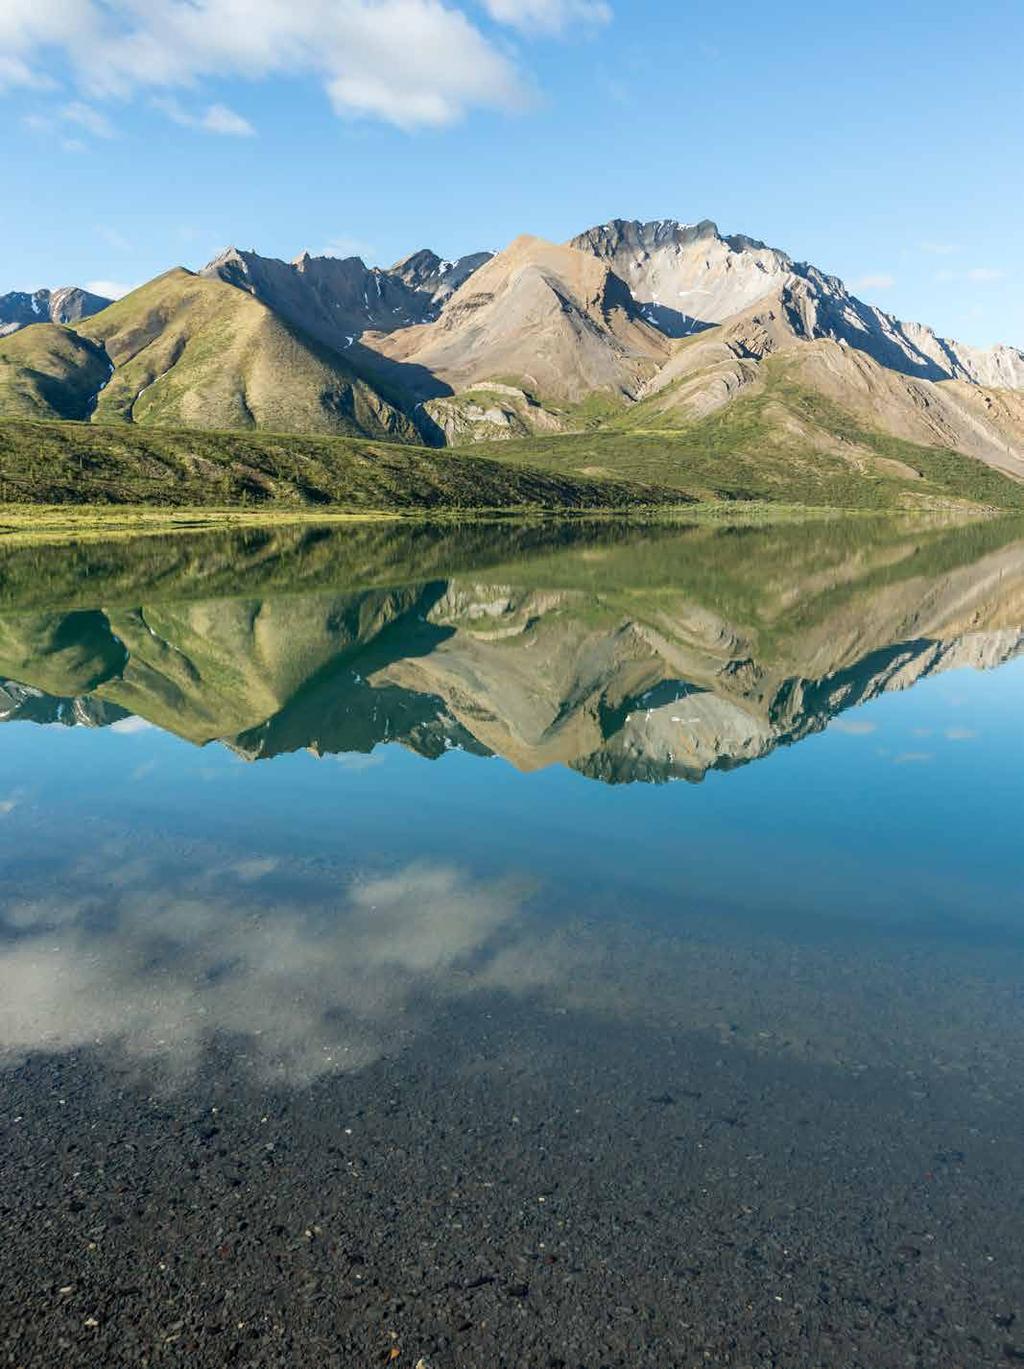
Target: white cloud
(254, 868)
(548, 16)
(215, 119)
(311, 995)
(111, 289)
(854, 727)
(342, 246)
(220, 119)
(15, 72)
(879, 281)
(84, 116)
(977, 275)
(126, 726)
(113, 238)
(939, 249)
(406, 62)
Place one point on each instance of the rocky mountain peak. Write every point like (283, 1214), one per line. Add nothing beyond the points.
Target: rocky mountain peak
(612, 239)
(65, 305)
(232, 259)
(419, 268)
(437, 278)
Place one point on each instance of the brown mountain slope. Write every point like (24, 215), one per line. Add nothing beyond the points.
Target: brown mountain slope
(553, 321)
(710, 370)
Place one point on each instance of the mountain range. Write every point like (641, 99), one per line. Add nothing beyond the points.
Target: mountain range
(629, 331)
(701, 650)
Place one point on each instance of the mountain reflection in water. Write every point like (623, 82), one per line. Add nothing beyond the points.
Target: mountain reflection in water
(313, 1063)
(627, 654)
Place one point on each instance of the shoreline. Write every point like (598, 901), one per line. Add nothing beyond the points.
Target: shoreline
(22, 524)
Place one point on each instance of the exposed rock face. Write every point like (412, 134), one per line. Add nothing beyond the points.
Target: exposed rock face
(689, 276)
(341, 303)
(66, 305)
(24, 703)
(333, 299)
(338, 299)
(686, 276)
(490, 412)
(435, 279)
(717, 366)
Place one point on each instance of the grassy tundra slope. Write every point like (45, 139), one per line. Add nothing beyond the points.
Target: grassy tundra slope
(55, 463)
(47, 371)
(780, 440)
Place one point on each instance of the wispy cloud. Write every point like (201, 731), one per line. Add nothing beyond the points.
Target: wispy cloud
(309, 998)
(77, 116)
(880, 280)
(254, 868)
(15, 72)
(86, 117)
(975, 275)
(111, 289)
(548, 16)
(213, 119)
(939, 249)
(220, 119)
(342, 246)
(854, 727)
(411, 63)
(356, 763)
(127, 726)
(113, 238)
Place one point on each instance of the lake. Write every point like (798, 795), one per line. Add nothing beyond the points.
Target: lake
(583, 946)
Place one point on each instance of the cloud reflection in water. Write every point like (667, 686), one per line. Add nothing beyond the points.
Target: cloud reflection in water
(308, 989)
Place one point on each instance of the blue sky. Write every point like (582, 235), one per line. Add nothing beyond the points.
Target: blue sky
(882, 142)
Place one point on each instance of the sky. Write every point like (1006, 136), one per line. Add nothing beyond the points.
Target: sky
(882, 142)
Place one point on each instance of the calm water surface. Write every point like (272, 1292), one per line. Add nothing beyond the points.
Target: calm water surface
(557, 946)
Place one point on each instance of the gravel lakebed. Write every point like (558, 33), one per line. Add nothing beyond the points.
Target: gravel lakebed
(516, 1187)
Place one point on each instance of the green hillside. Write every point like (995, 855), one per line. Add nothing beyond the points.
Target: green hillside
(185, 351)
(67, 463)
(193, 352)
(47, 371)
(779, 444)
